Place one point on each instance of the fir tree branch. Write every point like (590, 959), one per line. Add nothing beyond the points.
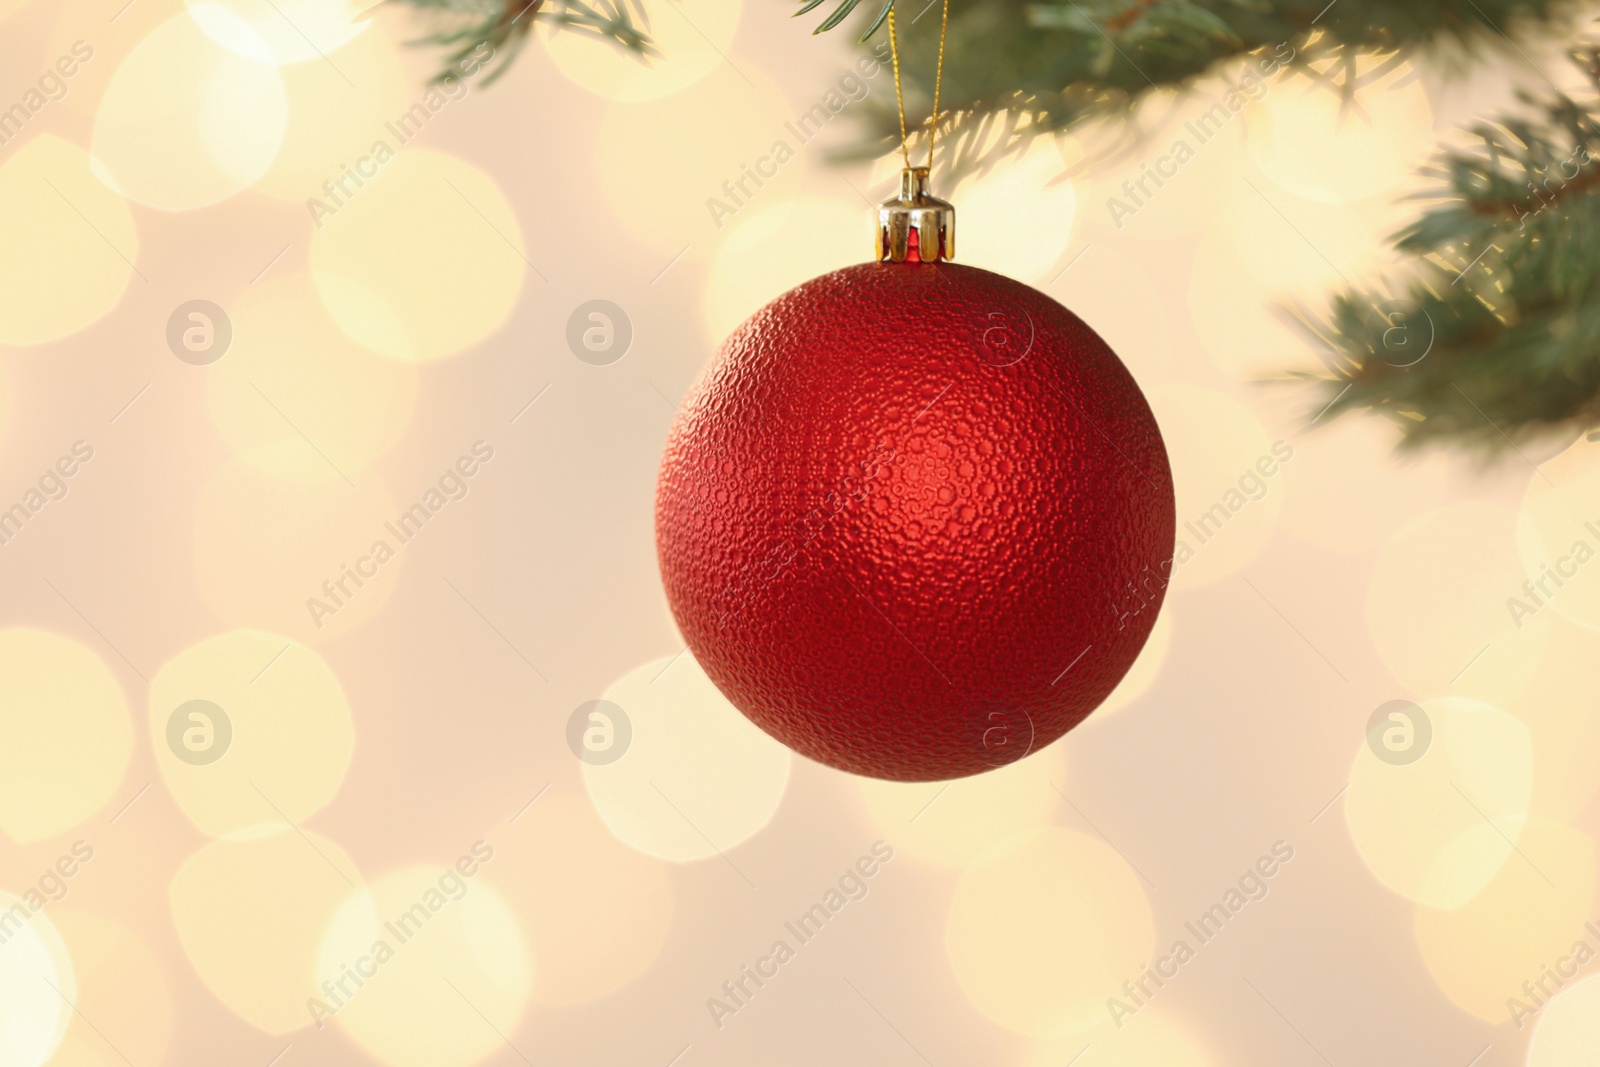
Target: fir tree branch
(1062, 62)
(1501, 312)
(1494, 337)
(494, 31)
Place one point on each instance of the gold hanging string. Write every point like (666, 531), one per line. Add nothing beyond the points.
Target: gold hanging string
(899, 98)
(938, 84)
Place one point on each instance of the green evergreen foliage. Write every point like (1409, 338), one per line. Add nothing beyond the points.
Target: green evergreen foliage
(1492, 336)
(499, 28)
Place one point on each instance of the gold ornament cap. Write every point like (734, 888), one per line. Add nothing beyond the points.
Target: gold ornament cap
(933, 220)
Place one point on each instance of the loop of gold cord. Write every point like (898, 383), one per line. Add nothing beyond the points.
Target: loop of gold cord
(938, 84)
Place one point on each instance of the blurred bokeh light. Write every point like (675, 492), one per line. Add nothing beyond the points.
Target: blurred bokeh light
(68, 734)
(1529, 915)
(1437, 605)
(422, 264)
(1047, 926)
(186, 122)
(952, 823)
(1229, 477)
(37, 988)
(1315, 139)
(699, 777)
(774, 249)
(71, 246)
(281, 31)
(122, 986)
(1436, 830)
(456, 976)
(295, 397)
(691, 37)
(282, 725)
(303, 541)
(595, 912)
(250, 910)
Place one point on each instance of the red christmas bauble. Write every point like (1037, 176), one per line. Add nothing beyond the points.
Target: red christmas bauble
(915, 519)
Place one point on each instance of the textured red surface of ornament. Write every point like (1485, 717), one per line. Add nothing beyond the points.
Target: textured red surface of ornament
(915, 520)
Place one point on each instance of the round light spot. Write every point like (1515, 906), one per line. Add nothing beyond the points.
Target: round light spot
(292, 735)
(777, 247)
(1531, 914)
(250, 910)
(185, 122)
(1437, 829)
(1043, 927)
(281, 31)
(715, 153)
(1437, 606)
(322, 560)
(1567, 1033)
(1017, 218)
(1315, 140)
(70, 243)
(594, 911)
(122, 987)
(67, 734)
(691, 36)
(1556, 537)
(699, 778)
(37, 987)
(340, 111)
(952, 823)
(95, 58)
(1229, 481)
(1142, 675)
(297, 399)
(441, 969)
(423, 264)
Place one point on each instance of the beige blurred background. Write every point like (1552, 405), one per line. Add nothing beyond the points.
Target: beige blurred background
(254, 724)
